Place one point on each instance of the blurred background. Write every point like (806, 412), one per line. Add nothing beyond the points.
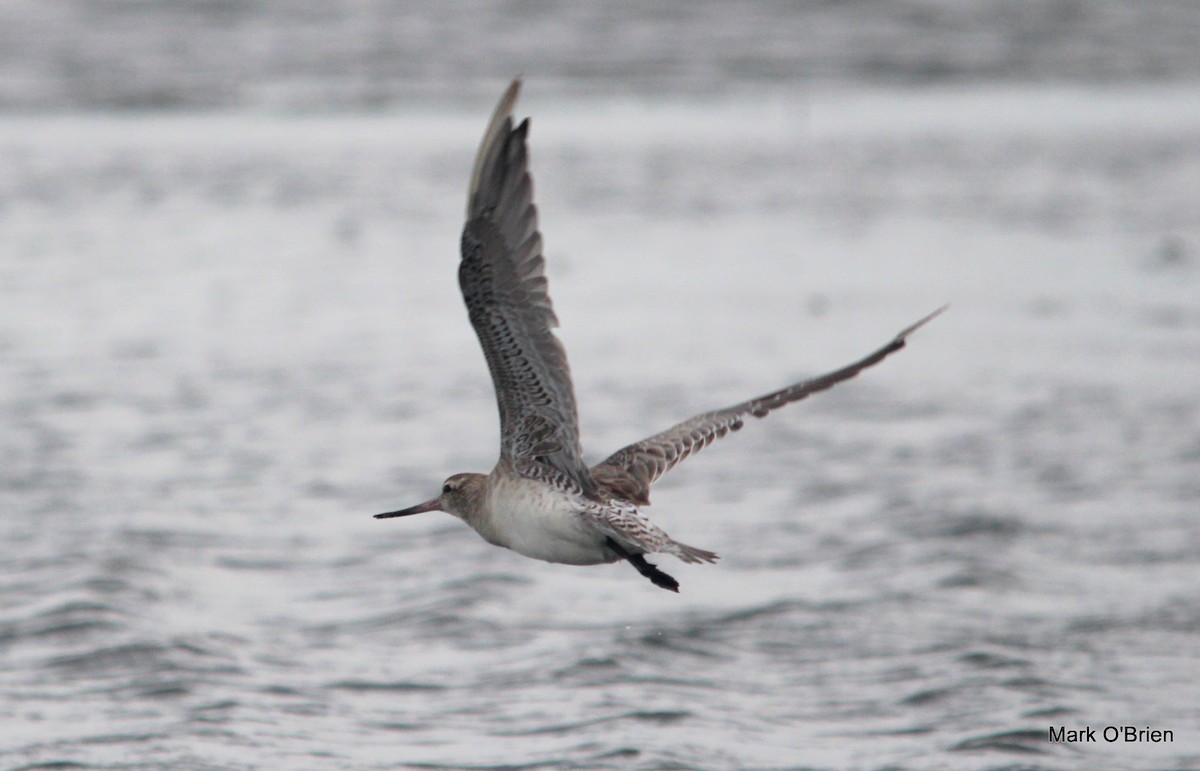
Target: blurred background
(287, 55)
(230, 332)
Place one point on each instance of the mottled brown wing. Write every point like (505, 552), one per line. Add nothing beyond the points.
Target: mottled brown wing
(504, 287)
(631, 471)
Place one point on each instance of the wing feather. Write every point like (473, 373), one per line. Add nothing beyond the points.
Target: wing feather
(505, 290)
(630, 472)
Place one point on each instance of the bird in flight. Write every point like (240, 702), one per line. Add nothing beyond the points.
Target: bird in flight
(541, 500)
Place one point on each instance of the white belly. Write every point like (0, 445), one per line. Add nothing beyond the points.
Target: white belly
(545, 527)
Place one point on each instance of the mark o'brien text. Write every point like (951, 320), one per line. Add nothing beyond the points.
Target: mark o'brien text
(1111, 734)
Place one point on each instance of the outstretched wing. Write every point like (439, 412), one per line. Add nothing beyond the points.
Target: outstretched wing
(503, 285)
(631, 471)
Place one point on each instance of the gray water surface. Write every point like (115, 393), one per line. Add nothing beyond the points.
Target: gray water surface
(227, 339)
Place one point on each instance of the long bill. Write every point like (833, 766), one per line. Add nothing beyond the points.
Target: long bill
(430, 505)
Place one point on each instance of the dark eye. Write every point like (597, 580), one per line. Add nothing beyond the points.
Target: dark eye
(446, 488)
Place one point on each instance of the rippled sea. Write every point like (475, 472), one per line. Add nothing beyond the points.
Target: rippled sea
(226, 340)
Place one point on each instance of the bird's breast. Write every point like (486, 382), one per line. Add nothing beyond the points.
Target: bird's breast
(541, 522)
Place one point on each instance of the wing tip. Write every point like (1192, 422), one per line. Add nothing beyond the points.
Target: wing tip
(900, 338)
(495, 129)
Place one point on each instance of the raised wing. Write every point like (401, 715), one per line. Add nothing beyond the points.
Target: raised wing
(502, 281)
(631, 471)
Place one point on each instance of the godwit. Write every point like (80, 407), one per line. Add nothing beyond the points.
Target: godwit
(541, 500)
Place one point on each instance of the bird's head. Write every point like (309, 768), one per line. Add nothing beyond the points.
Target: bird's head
(460, 496)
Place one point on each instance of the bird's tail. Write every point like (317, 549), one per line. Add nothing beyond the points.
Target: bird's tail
(690, 553)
